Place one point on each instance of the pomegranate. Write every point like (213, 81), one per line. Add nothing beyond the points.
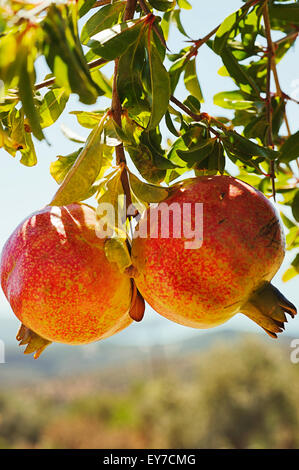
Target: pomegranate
(55, 274)
(228, 272)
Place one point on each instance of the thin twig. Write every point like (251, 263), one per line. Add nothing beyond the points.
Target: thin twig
(147, 11)
(200, 42)
(290, 98)
(269, 111)
(196, 117)
(116, 110)
(292, 35)
(130, 9)
(101, 3)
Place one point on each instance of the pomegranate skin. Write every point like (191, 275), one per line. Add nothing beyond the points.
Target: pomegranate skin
(242, 249)
(59, 283)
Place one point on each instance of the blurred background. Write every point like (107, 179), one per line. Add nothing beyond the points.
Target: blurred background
(156, 384)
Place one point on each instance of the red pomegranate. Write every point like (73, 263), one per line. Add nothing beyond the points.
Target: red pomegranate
(228, 272)
(55, 274)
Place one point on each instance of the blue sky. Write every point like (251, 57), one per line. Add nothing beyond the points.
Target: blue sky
(24, 190)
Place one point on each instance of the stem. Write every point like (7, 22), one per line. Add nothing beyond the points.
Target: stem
(292, 35)
(195, 117)
(101, 3)
(269, 111)
(116, 110)
(147, 11)
(200, 42)
(144, 7)
(130, 9)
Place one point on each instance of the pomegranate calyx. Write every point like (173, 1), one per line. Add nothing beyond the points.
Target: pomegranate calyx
(267, 307)
(35, 343)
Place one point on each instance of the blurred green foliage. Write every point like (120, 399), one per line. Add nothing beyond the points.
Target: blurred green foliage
(237, 395)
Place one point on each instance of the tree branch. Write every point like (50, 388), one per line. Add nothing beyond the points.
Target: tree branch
(147, 11)
(271, 56)
(130, 9)
(116, 110)
(200, 42)
(101, 3)
(196, 117)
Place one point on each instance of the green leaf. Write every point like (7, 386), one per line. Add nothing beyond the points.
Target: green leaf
(213, 163)
(184, 4)
(64, 55)
(60, 168)
(225, 29)
(143, 160)
(19, 139)
(116, 251)
(105, 18)
(256, 128)
(293, 270)
(198, 152)
(10, 47)
(278, 113)
(175, 72)
(165, 23)
(88, 119)
(232, 100)
(163, 5)
(112, 193)
(247, 147)
(170, 124)
(113, 42)
(192, 103)
(102, 81)
(237, 71)
(152, 140)
(147, 192)
(290, 149)
(129, 80)
(176, 17)
(216, 158)
(85, 6)
(287, 222)
(292, 238)
(191, 80)
(52, 106)
(28, 152)
(160, 87)
(295, 206)
(26, 84)
(289, 13)
(173, 156)
(84, 172)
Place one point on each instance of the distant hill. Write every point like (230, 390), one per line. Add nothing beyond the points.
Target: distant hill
(66, 361)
